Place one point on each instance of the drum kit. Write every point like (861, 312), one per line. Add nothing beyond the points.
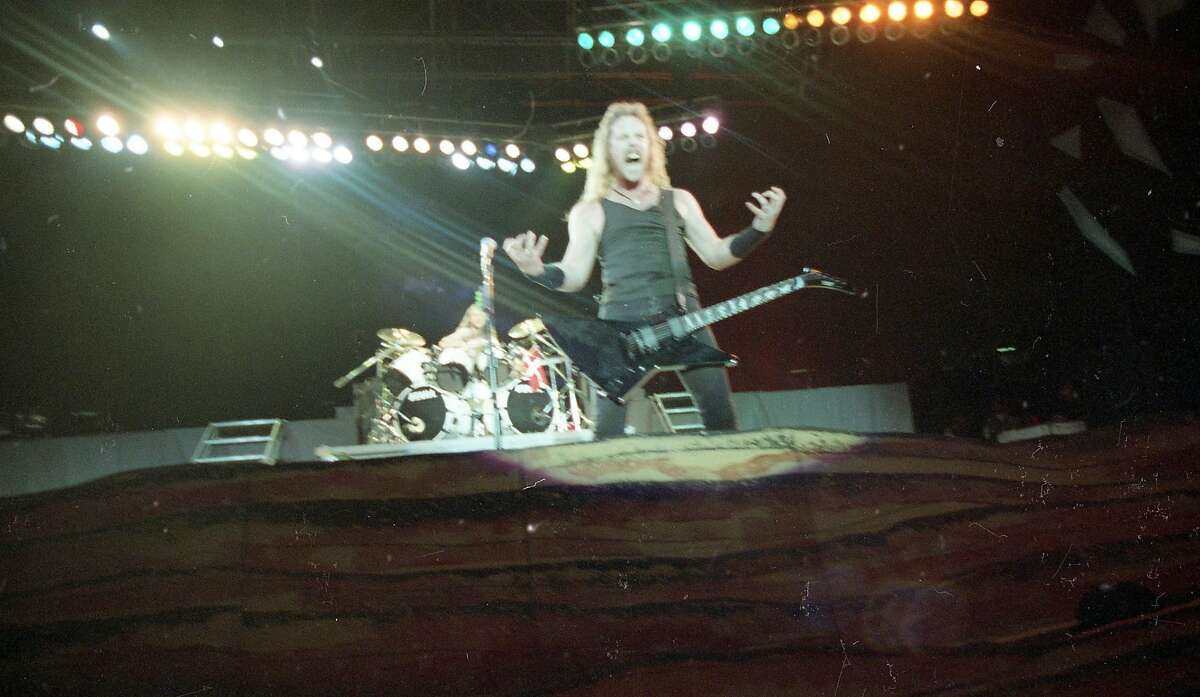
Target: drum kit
(425, 392)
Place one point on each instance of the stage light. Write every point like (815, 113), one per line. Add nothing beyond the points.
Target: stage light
(585, 163)
(168, 128)
(841, 16)
(446, 147)
(42, 125)
(485, 164)
(512, 150)
(688, 129)
(281, 153)
(585, 41)
(815, 18)
(399, 143)
(897, 11)
(568, 167)
(954, 9)
(31, 137)
(82, 143)
(527, 165)
(661, 32)
(923, 9)
(421, 145)
(580, 150)
(710, 124)
(246, 137)
(692, 30)
(247, 153)
(460, 161)
(222, 151)
(744, 26)
(606, 39)
(870, 13)
(194, 131)
(317, 62)
(274, 137)
(13, 123)
(297, 139)
(52, 142)
(468, 148)
(219, 132)
(770, 26)
(374, 143)
(635, 36)
(343, 155)
(321, 156)
(137, 145)
(506, 165)
(299, 156)
(218, 41)
(791, 21)
(979, 8)
(321, 139)
(200, 149)
(108, 125)
(665, 132)
(490, 149)
(112, 144)
(74, 127)
(101, 32)
(562, 155)
(173, 148)
(719, 29)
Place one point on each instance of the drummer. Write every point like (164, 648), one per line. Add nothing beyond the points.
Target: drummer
(469, 334)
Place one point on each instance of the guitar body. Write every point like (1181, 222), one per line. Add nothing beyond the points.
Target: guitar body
(598, 348)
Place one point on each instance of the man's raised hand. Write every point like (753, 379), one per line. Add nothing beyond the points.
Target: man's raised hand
(770, 203)
(526, 252)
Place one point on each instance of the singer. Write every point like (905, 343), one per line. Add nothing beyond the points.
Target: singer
(636, 224)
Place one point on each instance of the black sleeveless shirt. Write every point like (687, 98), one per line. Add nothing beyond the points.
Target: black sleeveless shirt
(635, 263)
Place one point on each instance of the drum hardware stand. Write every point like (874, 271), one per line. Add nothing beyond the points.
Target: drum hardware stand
(487, 248)
(547, 341)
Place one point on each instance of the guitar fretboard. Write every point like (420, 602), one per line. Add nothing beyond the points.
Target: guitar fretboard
(686, 324)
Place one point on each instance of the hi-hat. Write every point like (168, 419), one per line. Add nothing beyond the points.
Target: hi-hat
(398, 336)
(526, 328)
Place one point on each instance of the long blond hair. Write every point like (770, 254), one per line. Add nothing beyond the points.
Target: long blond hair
(599, 176)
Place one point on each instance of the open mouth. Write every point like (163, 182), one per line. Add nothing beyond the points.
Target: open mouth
(633, 157)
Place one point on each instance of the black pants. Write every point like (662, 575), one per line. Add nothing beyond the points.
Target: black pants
(709, 386)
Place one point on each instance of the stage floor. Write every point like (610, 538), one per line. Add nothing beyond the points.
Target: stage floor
(514, 441)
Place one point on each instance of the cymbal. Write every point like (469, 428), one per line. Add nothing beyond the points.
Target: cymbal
(398, 336)
(523, 329)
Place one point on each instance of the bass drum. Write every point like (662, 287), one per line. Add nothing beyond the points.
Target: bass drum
(454, 369)
(429, 413)
(527, 409)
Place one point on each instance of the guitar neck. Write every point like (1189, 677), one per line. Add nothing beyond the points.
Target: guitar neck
(694, 321)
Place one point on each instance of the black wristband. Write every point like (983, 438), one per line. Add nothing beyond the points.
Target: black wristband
(551, 277)
(745, 241)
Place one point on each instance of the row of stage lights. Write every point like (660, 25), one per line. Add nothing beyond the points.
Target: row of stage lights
(743, 28)
(578, 156)
(219, 139)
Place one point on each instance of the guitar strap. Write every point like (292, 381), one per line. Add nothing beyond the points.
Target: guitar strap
(677, 250)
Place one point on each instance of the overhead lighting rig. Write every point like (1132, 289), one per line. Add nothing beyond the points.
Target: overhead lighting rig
(715, 35)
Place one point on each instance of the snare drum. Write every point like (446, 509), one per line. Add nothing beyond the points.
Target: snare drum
(504, 369)
(429, 413)
(454, 369)
(407, 370)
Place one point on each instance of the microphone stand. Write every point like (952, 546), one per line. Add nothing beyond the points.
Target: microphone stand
(487, 247)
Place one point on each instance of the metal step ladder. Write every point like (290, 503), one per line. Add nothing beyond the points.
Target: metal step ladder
(253, 440)
(678, 411)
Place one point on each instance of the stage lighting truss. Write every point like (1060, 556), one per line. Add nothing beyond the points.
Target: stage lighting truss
(686, 132)
(719, 35)
(183, 136)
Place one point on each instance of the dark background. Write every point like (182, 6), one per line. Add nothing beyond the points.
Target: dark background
(158, 292)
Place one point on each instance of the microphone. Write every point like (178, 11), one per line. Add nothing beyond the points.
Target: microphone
(487, 248)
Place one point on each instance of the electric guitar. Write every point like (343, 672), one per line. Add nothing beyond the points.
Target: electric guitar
(620, 356)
